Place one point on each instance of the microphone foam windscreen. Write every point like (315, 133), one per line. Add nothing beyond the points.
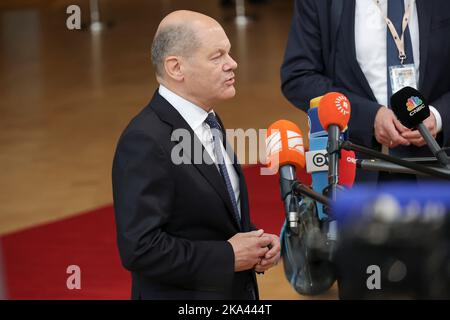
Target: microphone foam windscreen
(284, 145)
(410, 107)
(334, 108)
(347, 168)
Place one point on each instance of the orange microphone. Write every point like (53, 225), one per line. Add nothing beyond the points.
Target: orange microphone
(286, 152)
(284, 145)
(334, 109)
(334, 114)
(284, 142)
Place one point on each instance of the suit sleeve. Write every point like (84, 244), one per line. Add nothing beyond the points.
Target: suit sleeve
(143, 198)
(443, 106)
(303, 72)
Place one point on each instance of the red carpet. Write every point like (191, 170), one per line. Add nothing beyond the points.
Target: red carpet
(35, 260)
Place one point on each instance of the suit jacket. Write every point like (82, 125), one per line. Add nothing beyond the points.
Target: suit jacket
(173, 221)
(320, 57)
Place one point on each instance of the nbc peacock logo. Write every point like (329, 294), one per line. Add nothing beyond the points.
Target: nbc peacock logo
(413, 103)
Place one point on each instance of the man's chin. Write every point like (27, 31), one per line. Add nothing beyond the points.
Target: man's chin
(229, 93)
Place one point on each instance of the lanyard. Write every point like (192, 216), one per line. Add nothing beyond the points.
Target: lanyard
(399, 41)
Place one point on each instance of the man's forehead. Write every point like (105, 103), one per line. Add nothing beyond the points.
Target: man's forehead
(215, 37)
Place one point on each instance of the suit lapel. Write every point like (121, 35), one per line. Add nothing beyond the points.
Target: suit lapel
(170, 115)
(424, 10)
(348, 35)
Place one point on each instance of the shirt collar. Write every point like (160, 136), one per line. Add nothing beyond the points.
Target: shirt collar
(193, 114)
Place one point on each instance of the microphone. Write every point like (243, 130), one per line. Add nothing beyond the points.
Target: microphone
(380, 165)
(407, 163)
(316, 157)
(285, 150)
(334, 114)
(317, 166)
(315, 127)
(347, 168)
(304, 247)
(411, 108)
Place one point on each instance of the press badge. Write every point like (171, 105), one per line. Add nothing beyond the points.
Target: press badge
(402, 76)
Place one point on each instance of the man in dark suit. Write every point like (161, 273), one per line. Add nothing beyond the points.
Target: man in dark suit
(182, 211)
(346, 46)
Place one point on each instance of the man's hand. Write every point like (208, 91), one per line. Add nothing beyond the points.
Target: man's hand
(272, 256)
(249, 248)
(415, 137)
(388, 130)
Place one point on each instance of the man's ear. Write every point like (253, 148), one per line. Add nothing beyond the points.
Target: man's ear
(172, 65)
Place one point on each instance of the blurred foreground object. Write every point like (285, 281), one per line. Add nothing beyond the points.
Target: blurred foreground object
(394, 242)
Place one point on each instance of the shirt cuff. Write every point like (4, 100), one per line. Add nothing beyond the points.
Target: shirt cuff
(438, 117)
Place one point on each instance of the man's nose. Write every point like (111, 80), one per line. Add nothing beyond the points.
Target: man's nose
(231, 64)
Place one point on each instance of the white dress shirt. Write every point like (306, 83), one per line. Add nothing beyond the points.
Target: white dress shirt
(370, 42)
(195, 116)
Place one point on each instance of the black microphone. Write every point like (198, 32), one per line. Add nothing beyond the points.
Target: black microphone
(411, 108)
(347, 145)
(381, 165)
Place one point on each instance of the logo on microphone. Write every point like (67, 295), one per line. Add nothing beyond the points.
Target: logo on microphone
(295, 142)
(342, 105)
(316, 161)
(414, 104)
(319, 160)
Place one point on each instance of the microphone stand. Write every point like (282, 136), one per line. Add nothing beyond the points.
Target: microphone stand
(347, 145)
(329, 226)
(333, 150)
(377, 165)
(300, 189)
(439, 153)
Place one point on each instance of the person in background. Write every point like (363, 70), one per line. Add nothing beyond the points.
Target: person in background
(362, 49)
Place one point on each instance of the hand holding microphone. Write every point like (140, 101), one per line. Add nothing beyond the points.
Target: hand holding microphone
(412, 110)
(414, 136)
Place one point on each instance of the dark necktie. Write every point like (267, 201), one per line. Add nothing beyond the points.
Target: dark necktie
(396, 10)
(211, 120)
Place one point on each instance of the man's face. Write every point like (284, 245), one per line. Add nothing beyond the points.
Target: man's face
(209, 72)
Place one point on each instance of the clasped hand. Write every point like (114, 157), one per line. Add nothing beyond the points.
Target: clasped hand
(390, 132)
(255, 249)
